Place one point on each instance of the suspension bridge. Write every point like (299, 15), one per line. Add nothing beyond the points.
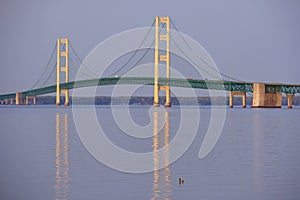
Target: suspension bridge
(264, 94)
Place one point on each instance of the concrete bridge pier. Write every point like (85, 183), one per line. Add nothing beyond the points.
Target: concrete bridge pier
(266, 96)
(232, 94)
(11, 100)
(30, 97)
(19, 98)
(290, 100)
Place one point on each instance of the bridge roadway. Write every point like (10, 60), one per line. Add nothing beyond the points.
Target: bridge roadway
(173, 82)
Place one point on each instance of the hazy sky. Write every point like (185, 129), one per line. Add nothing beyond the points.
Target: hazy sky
(254, 40)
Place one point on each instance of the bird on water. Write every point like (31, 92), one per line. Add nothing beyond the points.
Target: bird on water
(180, 181)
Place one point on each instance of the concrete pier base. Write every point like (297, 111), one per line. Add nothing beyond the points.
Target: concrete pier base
(167, 104)
(266, 96)
(232, 94)
(30, 97)
(290, 100)
(19, 98)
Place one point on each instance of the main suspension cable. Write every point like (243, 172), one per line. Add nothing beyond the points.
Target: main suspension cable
(135, 52)
(47, 66)
(225, 75)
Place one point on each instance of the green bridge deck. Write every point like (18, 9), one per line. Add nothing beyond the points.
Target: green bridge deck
(173, 82)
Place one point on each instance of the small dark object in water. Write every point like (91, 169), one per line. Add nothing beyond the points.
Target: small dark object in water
(181, 181)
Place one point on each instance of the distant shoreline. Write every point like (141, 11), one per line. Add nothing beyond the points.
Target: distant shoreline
(144, 100)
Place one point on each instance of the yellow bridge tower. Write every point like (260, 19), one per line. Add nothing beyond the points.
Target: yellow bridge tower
(165, 21)
(62, 55)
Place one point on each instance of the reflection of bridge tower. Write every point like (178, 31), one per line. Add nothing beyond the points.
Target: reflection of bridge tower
(165, 58)
(62, 157)
(161, 178)
(62, 56)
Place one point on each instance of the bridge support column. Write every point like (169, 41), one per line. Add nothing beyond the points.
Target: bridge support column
(165, 58)
(62, 52)
(266, 95)
(230, 99)
(290, 100)
(19, 98)
(11, 101)
(30, 97)
(232, 94)
(244, 100)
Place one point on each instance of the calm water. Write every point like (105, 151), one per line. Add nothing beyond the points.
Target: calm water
(256, 157)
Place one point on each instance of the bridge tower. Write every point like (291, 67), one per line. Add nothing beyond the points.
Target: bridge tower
(166, 58)
(62, 56)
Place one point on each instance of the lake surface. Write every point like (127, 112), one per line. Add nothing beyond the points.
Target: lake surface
(256, 157)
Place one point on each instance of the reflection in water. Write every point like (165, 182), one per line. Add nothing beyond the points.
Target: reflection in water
(61, 158)
(161, 178)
